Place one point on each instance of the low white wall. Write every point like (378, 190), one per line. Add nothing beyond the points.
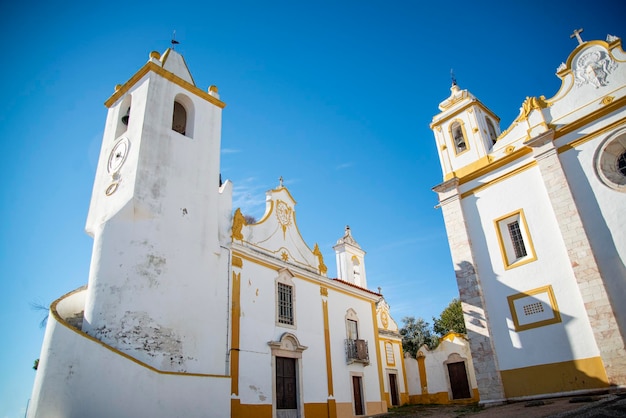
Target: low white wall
(452, 348)
(80, 377)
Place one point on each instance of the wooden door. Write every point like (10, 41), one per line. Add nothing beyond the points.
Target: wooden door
(458, 380)
(286, 389)
(358, 396)
(393, 389)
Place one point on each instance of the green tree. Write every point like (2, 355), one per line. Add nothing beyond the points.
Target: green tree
(451, 319)
(415, 333)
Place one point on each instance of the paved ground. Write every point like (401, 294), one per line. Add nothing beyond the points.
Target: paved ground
(613, 405)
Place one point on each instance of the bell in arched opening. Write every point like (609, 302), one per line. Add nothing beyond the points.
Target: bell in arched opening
(179, 119)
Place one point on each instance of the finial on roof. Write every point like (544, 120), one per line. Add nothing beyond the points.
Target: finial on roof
(280, 182)
(174, 41)
(347, 238)
(576, 35)
(452, 77)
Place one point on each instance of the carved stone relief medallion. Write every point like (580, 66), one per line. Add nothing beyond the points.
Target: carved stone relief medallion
(593, 68)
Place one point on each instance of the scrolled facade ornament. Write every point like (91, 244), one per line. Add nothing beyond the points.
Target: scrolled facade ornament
(611, 38)
(239, 221)
(322, 267)
(593, 68)
(532, 103)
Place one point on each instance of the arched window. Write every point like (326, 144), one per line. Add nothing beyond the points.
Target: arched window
(492, 131)
(183, 115)
(179, 118)
(458, 136)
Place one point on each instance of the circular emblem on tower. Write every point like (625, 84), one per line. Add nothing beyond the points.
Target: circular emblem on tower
(118, 155)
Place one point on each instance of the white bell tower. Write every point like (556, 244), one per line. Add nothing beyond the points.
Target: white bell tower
(350, 260)
(159, 217)
(465, 131)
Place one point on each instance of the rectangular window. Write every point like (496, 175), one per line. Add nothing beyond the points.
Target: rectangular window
(534, 308)
(285, 304)
(514, 238)
(353, 333)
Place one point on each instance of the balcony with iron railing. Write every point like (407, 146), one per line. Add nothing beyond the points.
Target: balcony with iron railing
(357, 352)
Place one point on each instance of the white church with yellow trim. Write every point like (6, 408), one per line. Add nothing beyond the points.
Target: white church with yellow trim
(190, 311)
(535, 218)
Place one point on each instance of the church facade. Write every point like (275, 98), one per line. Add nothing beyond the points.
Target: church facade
(190, 310)
(535, 222)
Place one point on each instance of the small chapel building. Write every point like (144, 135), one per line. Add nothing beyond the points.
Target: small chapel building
(191, 311)
(535, 218)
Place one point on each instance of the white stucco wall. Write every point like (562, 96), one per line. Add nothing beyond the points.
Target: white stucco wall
(602, 212)
(544, 344)
(157, 260)
(437, 379)
(79, 377)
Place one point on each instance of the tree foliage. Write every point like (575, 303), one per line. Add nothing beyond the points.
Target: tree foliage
(415, 333)
(451, 319)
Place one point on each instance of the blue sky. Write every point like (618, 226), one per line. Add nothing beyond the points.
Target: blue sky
(336, 97)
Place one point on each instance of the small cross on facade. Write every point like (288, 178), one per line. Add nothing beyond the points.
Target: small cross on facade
(576, 35)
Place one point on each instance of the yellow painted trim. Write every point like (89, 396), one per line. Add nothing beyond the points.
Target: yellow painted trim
(405, 395)
(239, 410)
(235, 335)
(151, 66)
(580, 374)
(462, 109)
(482, 167)
(603, 44)
(332, 408)
(464, 171)
(381, 374)
(237, 262)
(443, 398)
(375, 407)
(499, 179)
(60, 320)
(553, 305)
(421, 367)
(531, 256)
(589, 137)
(450, 336)
(316, 409)
(329, 363)
(328, 283)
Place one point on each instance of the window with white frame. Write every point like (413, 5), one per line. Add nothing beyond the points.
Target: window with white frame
(285, 304)
(514, 239)
(356, 348)
(285, 299)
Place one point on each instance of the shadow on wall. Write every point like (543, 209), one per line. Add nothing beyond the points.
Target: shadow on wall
(533, 351)
(601, 237)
